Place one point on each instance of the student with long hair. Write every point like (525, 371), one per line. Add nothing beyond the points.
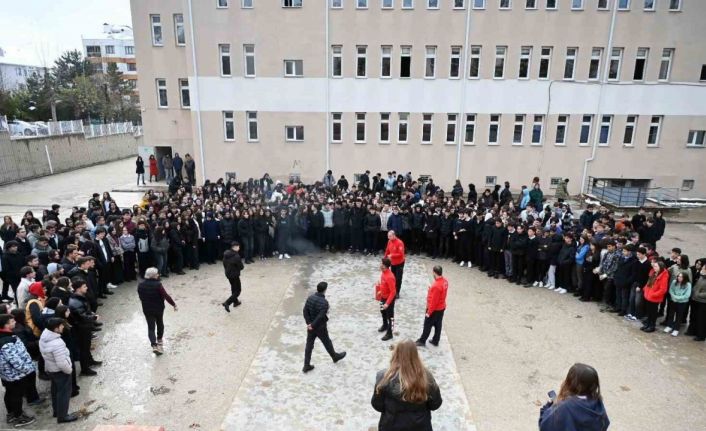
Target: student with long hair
(579, 405)
(406, 393)
(654, 292)
(679, 295)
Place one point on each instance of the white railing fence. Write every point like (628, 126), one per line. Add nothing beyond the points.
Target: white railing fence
(23, 130)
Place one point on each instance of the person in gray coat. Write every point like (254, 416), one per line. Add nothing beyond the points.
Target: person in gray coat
(168, 166)
(57, 363)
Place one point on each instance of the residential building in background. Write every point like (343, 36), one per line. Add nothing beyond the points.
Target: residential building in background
(480, 90)
(114, 45)
(14, 74)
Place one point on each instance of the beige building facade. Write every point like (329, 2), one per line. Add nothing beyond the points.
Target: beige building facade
(484, 91)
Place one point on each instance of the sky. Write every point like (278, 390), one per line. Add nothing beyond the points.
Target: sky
(36, 32)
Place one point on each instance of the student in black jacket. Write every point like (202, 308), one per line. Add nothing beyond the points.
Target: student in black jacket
(624, 278)
(496, 245)
(371, 229)
(315, 315)
(518, 245)
(565, 264)
(531, 255)
(247, 236)
(232, 264)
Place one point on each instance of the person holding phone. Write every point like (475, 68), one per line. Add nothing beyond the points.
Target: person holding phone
(578, 406)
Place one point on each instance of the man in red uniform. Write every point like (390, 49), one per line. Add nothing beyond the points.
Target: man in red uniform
(385, 293)
(395, 252)
(436, 304)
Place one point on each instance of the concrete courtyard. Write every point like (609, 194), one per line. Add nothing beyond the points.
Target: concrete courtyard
(503, 347)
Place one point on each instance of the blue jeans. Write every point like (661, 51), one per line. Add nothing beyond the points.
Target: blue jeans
(160, 261)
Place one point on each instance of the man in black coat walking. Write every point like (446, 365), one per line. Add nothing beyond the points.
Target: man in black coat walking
(233, 264)
(315, 316)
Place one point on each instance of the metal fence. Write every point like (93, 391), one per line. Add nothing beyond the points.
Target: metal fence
(24, 129)
(621, 196)
(95, 130)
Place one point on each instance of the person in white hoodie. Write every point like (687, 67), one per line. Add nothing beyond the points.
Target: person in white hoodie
(57, 363)
(27, 274)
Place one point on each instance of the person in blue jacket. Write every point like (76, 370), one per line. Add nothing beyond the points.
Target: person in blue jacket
(579, 405)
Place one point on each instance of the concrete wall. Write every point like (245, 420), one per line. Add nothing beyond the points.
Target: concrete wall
(22, 159)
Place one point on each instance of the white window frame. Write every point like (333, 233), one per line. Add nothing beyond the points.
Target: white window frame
(386, 55)
(248, 4)
(361, 4)
(294, 64)
(336, 120)
(249, 55)
(525, 57)
(228, 118)
(596, 56)
(430, 62)
(451, 123)
(630, 128)
(624, 7)
(495, 123)
(427, 121)
(455, 58)
(519, 126)
(605, 123)
(154, 27)
(291, 4)
(456, 4)
(177, 26)
(562, 124)
(403, 120)
(570, 58)
(505, 4)
(656, 125)
(470, 123)
(478, 4)
(161, 85)
(606, 5)
(574, 6)
(667, 57)
(430, 7)
(674, 9)
(297, 133)
(223, 55)
(537, 121)
(696, 139)
(648, 8)
(476, 52)
(360, 121)
(361, 58)
(390, 6)
(531, 6)
(542, 58)
(406, 52)
(129, 50)
(222, 4)
(250, 119)
(110, 49)
(555, 7)
(584, 124)
(500, 56)
(384, 122)
(615, 58)
(336, 4)
(643, 53)
(184, 86)
(337, 58)
(407, 4)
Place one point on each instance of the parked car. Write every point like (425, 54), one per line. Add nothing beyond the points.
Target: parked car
(42, 128)
(22, 128)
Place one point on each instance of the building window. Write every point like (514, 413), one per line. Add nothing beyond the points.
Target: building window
(156, 22)
(432, 4)
(294, 133)
(184, 93)
(386, 62)
(604, 138)
(585, 132)
(455, 65)
(478, 4)
(249, 54)
(576, 4)
(518, 129)
(426, 128)
(360, 127)
(623, 4)
(228, 126)
(162, 93)
(525, 61)
(603, 5)
(252, 126)
(430, 62)
(490, 181)
(531, 4)
(221, 4)
(362, 4)
(665, 66)
(687, 185)
(545, 62)
(594, 67)
(702, 77)
(293, 68)
(336, 127)
(630, 125)
(674, 5)
(336, 61)
(570, 63)
(247, 4)
(655, 126)
(179, 34)
(385, 127)
(293, 3)
(388, 4)
(493, 129)
(407, 4)
(91, 51)
(110, 49)
(551, 4)
(402, 127)
(562, 126)
(361, 61)
(499, 71)
(554, 182)
(470, 129)
(459, 4)
(474, 68)
(616, 57)
(537, 128)
(640, 64)
(649, 5)
(451, 121)
(696, 138)
(406, 62)
(224, 49)
(129, 50)
(505, 4)
(132, 67)
(336, 4)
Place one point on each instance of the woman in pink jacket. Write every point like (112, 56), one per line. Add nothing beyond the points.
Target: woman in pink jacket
(654, 291)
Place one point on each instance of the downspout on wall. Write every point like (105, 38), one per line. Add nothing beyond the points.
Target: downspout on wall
(198, 93)
(464, 83)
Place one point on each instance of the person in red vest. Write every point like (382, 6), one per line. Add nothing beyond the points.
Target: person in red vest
(395, 252)
(436, 304)
(385, 293)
